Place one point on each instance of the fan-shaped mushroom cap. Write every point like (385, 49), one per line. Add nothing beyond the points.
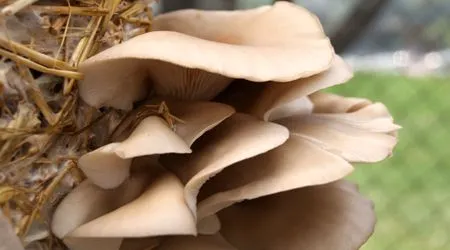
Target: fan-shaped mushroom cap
(195, 54)
(109, 165)
(271, 101)
(295, 164)
(150, 203)
(287, 99)
(160, 210)
(352, 128)
(331, 216)
(87, 202)
(8, 238)
(238, 138)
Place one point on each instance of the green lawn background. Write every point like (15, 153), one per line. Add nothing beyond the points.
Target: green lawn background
(411, 190)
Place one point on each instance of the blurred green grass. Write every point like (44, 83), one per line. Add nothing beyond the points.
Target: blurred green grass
(411, 190)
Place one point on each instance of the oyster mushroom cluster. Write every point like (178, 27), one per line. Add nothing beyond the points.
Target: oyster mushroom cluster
(248, 154)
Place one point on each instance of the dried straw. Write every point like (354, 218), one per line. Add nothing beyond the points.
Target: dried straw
(41, 133)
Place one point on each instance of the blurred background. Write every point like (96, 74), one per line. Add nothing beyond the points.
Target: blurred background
(400, 50)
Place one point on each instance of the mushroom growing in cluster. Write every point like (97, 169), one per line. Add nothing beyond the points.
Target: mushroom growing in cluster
(245, 153)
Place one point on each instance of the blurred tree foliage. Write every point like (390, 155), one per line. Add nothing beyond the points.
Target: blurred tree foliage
(356, 22)
(439, 28)
(421, 25)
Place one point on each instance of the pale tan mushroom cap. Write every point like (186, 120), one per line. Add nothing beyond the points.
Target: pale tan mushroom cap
(283, 100)
(364, 133)
(8, 238)
(95, 218)
(109, 166)
(271, 101)
(195, 54)
(332, 216)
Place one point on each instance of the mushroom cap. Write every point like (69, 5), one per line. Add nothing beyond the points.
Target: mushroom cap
(195, 54)
(109, 166)
(8, 237)
(330, 216)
